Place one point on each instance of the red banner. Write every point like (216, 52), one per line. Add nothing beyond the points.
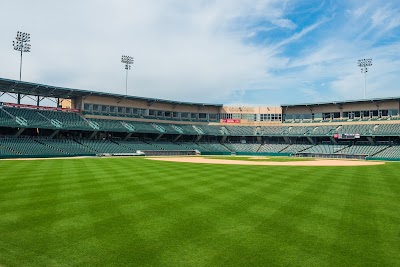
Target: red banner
(230, 120)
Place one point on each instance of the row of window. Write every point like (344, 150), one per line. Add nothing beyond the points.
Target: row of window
(128, 111)
(345, 115)
(252, 117)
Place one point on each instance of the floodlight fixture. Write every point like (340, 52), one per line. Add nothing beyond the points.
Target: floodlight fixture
(364, 64)
(22, 45)
(128, 61)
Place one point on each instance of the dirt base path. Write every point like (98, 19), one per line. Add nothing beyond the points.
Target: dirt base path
(319, 162)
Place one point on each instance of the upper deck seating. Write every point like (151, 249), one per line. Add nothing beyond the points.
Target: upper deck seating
(323, 130)
(387, 129)
(212, 130)
(273, 130)
(143, 127)
(110, 125)
(299, 130)
(241, 130)
(33, 117)
(363, 129)
(69, 120)
(189, 129)
(7, 119)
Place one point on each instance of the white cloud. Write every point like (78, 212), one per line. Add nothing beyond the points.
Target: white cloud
(285, 23)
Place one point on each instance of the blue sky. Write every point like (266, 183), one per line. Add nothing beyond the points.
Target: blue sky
(243, 52)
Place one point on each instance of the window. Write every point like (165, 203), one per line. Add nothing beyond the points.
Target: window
(152, 112)
(87, 107)
(202, 116)
(96, 108)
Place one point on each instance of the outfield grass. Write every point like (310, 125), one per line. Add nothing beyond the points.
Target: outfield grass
(137, 212)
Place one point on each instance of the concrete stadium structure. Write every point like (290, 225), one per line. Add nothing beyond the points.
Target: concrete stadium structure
(90, 123)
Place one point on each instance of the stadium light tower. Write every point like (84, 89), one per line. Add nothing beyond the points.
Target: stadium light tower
(128, 62)
(22, 44)
(364, 64)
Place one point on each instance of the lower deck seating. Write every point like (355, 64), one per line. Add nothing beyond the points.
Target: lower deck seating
(4, 151)
(105, 146)
(193, 146)
(272, 148)
(29, 147)
(136, 145)
(68, 146)
(21, 146)
(361, 150)
(252, 148)
(167, 146)
(214, 147)
(295, 148)
(325, 149)
(392, 152)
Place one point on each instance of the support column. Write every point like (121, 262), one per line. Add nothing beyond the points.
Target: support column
(54, 134)
(176, 138)
(198, 138)
(333, 140)
(223, 139)
(128, 136)
(158, 137)
(20, 131)
(311, 140)
(92, 135)
(371, 140)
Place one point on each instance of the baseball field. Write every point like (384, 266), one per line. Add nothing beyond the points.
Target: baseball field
(141, 212)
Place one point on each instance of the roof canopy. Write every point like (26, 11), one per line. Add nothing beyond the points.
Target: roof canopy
(27, 88)
(373, 100)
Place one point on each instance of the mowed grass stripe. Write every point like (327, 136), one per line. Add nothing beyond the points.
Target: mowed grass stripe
(137, 212)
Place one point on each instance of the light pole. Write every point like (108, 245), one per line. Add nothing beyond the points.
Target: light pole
(128, 61)
(364, 64)
(21, 44)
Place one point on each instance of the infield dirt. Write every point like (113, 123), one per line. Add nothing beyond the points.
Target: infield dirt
(318, 162)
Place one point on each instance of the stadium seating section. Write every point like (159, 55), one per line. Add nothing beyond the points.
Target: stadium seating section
(14, 147)
(228, 135)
